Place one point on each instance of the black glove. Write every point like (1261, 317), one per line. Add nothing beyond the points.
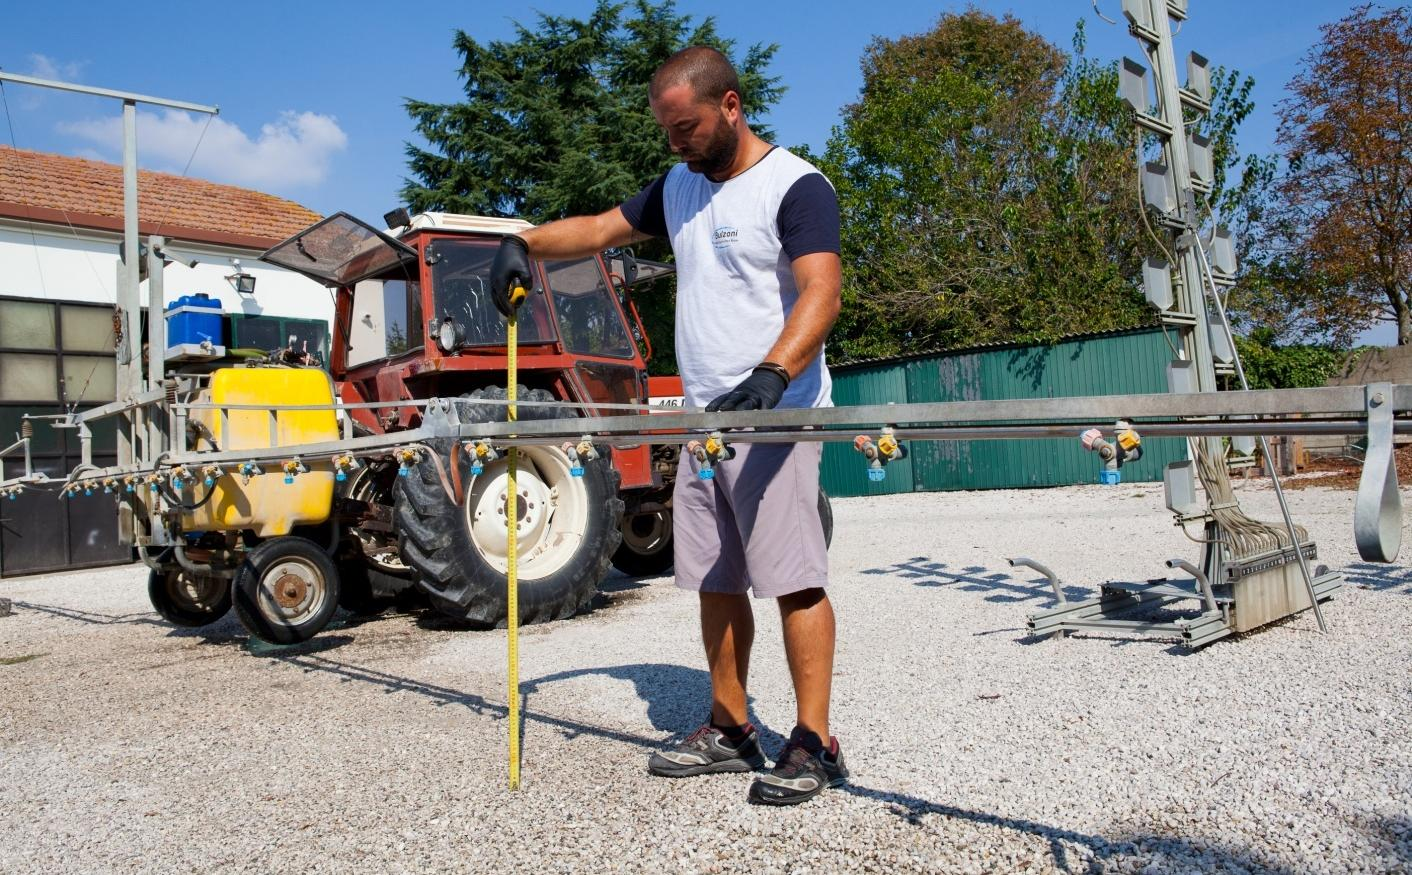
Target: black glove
(759, 391)
(511, 268)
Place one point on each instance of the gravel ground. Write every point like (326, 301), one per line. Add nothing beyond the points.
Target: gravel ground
(380, 746)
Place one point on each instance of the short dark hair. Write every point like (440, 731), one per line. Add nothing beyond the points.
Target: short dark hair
(707, 71)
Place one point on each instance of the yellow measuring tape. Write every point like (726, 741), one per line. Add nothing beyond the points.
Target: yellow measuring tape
(512, 583)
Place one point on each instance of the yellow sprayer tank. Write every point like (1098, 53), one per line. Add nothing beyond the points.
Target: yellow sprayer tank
(266, 504)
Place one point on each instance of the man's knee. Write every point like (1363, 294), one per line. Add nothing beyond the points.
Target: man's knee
(802, 599)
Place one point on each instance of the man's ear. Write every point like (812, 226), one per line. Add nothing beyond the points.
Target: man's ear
(730, 107)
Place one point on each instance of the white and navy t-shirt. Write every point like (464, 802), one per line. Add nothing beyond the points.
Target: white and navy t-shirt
(734, 242)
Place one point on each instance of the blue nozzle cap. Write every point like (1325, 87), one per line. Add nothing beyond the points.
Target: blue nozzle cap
(129, 488)
(340, 476)
(1110, 478)
(477, 469)
(210, 481)
(576, 471)
(876, 475)
(289, 478)
(707, 473)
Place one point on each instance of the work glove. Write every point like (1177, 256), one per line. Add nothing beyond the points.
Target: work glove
(759, 391)
(510, 268)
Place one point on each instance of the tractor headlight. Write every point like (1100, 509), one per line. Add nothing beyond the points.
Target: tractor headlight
(448, 335)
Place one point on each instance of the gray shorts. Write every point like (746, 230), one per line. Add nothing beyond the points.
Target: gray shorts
(755, 526)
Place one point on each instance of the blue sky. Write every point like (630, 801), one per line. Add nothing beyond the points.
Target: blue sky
(311, 93)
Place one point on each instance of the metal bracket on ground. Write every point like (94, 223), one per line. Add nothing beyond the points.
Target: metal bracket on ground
(1377, 514)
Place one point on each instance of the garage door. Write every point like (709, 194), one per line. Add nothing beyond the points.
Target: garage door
(56, 356)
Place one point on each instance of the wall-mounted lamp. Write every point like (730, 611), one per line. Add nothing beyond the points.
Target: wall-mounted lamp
(242, 282)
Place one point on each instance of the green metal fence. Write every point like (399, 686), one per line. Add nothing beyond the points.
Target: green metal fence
(1109, 364)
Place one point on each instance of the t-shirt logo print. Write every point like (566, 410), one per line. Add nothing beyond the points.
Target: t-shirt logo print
(724, 237)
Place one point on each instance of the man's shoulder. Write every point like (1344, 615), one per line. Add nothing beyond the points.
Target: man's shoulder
(790, 166)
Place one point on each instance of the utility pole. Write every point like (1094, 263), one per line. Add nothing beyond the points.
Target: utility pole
(129, 305)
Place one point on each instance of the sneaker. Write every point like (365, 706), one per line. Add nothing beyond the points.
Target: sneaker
(708, 751)
(805, 768)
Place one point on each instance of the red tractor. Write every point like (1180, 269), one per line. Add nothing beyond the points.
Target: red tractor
(414, 319)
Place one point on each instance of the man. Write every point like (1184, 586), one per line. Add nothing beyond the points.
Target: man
(755, 231)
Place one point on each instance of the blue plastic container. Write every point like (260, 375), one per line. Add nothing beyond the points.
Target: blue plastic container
(194, 318)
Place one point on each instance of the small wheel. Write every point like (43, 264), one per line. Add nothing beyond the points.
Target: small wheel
(286, 591)
(186, 599)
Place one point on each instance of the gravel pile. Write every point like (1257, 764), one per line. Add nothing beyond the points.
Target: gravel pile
(127, 745)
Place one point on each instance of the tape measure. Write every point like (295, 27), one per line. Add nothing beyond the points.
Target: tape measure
(512, 583)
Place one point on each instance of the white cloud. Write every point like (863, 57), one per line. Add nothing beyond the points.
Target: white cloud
(293, 151)
(45, 67)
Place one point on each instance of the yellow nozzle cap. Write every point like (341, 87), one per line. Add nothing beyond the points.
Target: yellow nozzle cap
(518, 295)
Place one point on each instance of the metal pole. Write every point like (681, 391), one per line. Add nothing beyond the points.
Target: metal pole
(129, 304)
(156, 337)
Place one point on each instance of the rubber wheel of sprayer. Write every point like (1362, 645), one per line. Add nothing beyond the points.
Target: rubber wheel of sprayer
(188, 600)
(647, 548)
(570, 526)
(286, 591)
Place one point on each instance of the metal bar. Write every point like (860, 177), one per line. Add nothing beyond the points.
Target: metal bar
(1201, 579)
(1326, 400)
(1052, 577)
(127, 96)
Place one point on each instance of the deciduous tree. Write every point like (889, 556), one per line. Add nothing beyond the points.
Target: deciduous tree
(1340, 235)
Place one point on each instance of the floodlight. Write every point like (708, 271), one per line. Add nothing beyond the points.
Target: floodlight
(398, 218)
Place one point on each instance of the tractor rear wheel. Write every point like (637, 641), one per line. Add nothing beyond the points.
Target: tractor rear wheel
(568, 526)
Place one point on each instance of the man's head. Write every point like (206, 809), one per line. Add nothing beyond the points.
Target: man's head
(695, 97)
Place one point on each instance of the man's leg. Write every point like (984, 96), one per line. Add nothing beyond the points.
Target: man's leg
(807, 617)
(728, 630)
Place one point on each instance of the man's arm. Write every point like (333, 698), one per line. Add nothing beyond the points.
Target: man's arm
(818, 277)
(581, 236)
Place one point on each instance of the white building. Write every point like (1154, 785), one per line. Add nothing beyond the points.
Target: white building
(60, 228)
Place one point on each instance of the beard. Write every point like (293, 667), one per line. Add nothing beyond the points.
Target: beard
(716, 156)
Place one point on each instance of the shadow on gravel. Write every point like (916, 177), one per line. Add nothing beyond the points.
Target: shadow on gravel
(675, 696)
(149, 618)
(1171, 853)
(392, 683)
(1003, 588)
(1370, 575)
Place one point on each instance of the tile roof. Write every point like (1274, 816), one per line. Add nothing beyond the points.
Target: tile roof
(59, 189)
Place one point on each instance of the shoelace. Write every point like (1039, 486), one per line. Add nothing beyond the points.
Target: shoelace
(697, 738)
(794, 757)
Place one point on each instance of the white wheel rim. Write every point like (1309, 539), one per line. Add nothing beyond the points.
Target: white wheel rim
(553, 513)
(292, 590)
